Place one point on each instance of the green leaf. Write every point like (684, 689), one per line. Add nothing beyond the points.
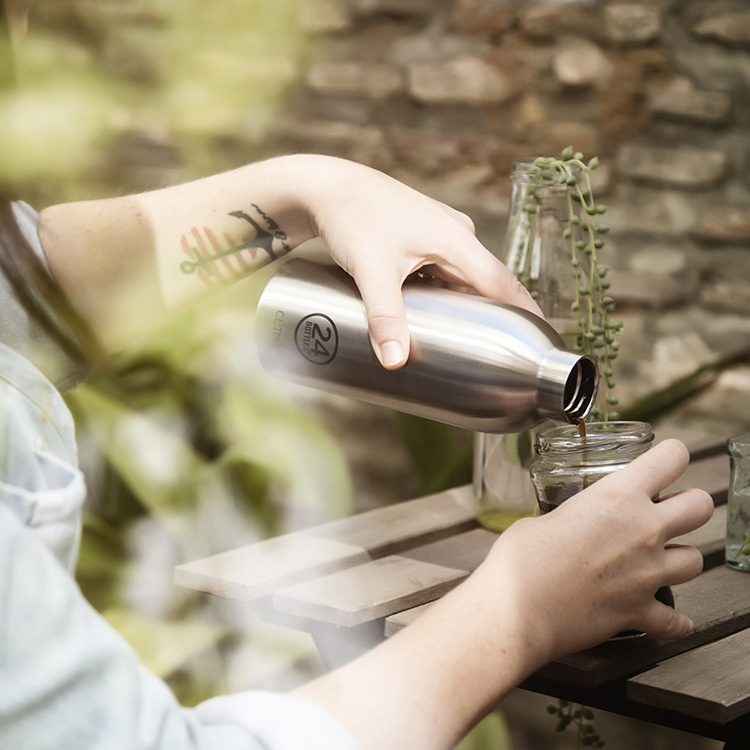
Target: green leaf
(157, 464)
(102, 561)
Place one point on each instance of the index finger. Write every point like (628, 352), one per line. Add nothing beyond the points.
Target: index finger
(656, 469)
(685, 511)
(491, 278)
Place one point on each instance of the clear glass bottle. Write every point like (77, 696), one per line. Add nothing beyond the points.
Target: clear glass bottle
(569, 459)
(537, 252)
(738, 503)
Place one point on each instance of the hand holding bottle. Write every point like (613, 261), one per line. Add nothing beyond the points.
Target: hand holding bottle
(381, 231)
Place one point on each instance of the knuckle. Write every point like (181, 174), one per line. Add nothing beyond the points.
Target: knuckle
(467, 221)
(694, 562)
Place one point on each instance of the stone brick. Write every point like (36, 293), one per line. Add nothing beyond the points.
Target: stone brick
(728, 28)
(436, 150)
(632, 24)
(726, 294)
(724, 331)
(676, 356)
(580, 63)
(482, 16)
(725, 224)
(647, 289)
(531, 111)
(545, 20)
(726, 401)
(435, 47)
(684, 166)
(680, 99)
(541, 21)
(662, 260)
(726, 279)
(375, 81)
(642, 210)
(551, 137)
(468, 189)
(651, 274)
(363, 143)
(462, 80)
(324, 16)
(395, 7)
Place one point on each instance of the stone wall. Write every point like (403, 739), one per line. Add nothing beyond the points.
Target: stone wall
(445, 94)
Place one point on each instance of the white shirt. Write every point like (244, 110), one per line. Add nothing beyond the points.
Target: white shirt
(68, 681)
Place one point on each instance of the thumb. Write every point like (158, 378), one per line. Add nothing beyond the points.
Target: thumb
(666, 622)
(386, 317)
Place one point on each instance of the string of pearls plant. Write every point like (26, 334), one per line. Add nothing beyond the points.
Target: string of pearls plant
(582, 718)
(597, 329)
(585, 234)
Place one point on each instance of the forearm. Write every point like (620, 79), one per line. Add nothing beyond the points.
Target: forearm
(427, 686)
(128, 263)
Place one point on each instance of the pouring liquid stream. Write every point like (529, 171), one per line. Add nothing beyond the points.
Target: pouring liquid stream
(582, 433)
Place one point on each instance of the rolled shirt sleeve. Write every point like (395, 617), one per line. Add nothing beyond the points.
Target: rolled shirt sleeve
(70, 681)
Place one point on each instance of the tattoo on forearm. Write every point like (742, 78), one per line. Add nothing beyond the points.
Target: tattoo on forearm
(219, 259)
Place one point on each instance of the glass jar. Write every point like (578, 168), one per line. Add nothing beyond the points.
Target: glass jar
(568, 462)
(570, 458)
(738, 504)
(537, 252)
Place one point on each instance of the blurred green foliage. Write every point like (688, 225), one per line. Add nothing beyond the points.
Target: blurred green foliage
(187, 447)
(100, 78)
(189, 435)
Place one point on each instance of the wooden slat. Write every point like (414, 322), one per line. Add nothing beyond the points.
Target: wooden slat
(700, 444)
(710, 474)
(710, 538)
(464, 551)
(400, 620)
(394, 528)
(718, 602)
(368, 592)
(711, 682)
(334, 598)
(259, 569)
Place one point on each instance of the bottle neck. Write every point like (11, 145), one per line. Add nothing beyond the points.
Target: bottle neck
(567, 383)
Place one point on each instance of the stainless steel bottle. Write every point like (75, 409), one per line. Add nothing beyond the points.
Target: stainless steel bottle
(474, 363)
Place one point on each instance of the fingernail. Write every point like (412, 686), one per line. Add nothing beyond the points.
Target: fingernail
(392, 354)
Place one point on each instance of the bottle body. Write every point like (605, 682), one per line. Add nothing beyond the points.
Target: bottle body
(474, 363)
(738, 504)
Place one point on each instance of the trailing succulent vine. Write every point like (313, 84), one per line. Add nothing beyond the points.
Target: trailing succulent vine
(582, 718)
(584, 233)
(592, 305)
